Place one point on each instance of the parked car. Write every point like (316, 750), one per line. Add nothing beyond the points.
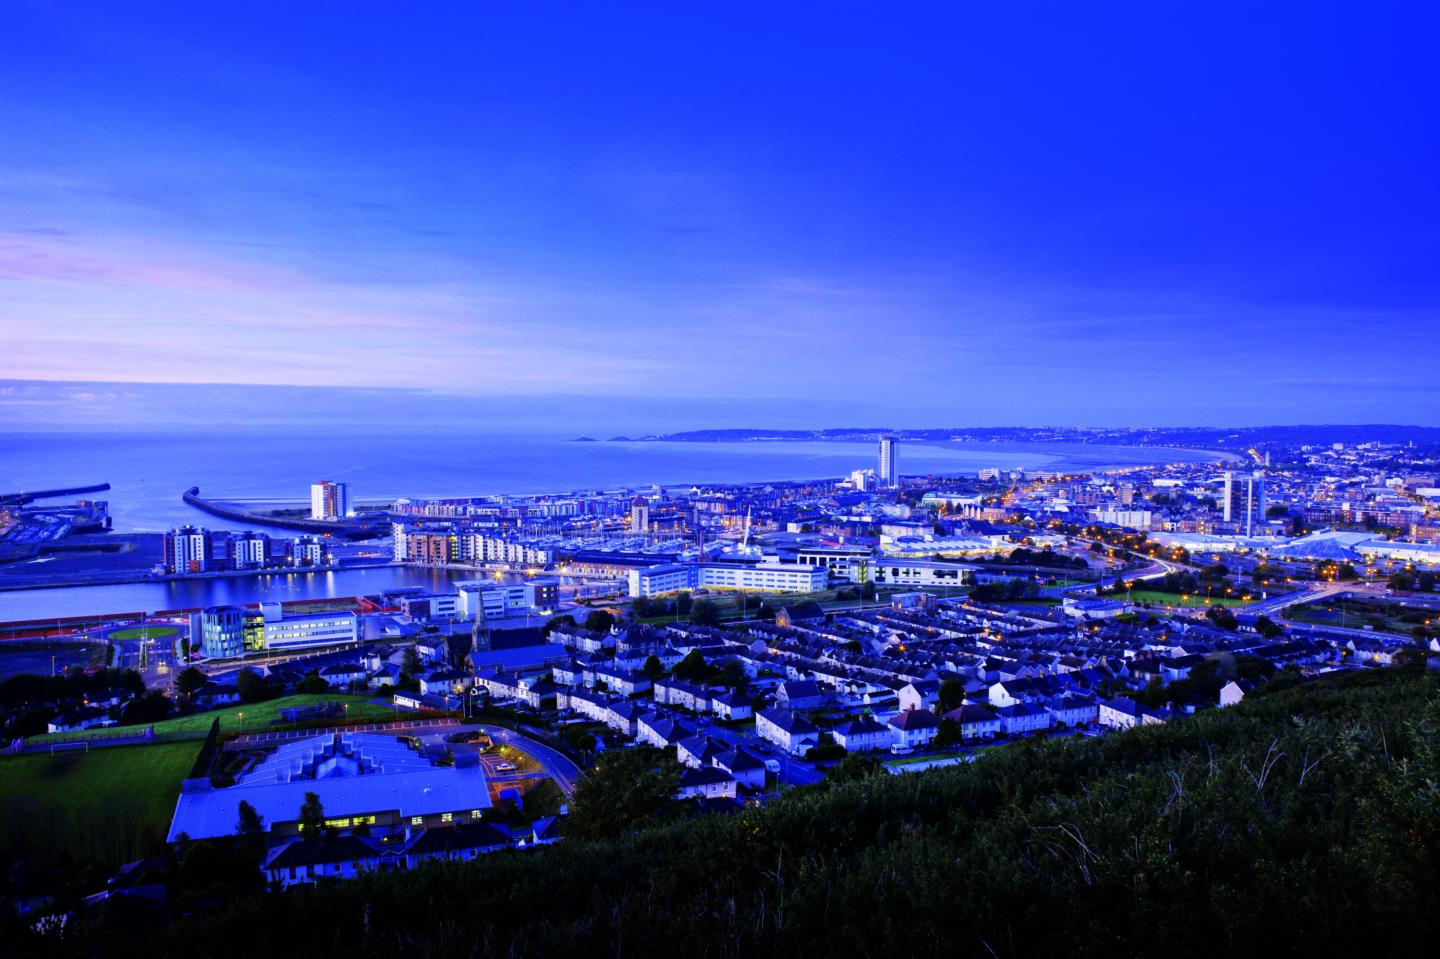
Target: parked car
(773, 765)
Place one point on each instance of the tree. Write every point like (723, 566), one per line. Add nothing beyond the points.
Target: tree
(704, 613)
(853, 768)
(312, 815)
(629, 789)
(693, 668)
(1222, 618)
(251, 830)
(948, 735)
(149, 708)
(190, 681)
(732, 675)
(683, 602)
(1411, 656)
(867, 591)
(563, 621)
(952, 694)
(312, 683)
(653, 668)
(410, 662)
(1268, 628)
(599, 621)
(253, 687)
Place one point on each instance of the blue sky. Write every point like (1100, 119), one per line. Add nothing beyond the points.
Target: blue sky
(947, 214)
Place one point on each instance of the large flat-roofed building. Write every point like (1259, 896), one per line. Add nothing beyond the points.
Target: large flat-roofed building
(851, 563)
(761, 577)
(1426, 554)
(506, 599)
(894, 571)
(284, 632)
(360, 779)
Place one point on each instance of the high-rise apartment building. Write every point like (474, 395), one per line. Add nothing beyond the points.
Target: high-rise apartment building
(889, 474)
(639, 516)
(1242, 500)
(329, 500)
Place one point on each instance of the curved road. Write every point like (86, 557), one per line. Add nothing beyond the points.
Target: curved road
(560, 767)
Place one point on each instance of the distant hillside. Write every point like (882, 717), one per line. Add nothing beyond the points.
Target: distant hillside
(1302, 822)
(1198, 436)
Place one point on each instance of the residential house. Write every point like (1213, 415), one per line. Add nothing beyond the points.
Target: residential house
(731, 705)
(708, 782)
(787, 729)
(744, 768)
(1022, 718)
(1072, 709)
(976, 722)
(308, 860)
(914, 728)
(799, 694)
(862, 735)
(923, 694)
(455, 843)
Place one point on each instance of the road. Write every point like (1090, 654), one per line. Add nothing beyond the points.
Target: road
(1312, 594)
(559, 766)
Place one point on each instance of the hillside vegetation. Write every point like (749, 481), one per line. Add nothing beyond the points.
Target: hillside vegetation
(1305, 821)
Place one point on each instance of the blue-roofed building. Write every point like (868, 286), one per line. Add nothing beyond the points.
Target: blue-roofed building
(360, 779)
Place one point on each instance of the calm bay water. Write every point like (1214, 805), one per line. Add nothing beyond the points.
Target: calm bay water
(149, 470)
(29, 604)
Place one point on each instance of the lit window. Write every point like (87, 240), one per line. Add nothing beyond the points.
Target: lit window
(446, 817)
(417, 820)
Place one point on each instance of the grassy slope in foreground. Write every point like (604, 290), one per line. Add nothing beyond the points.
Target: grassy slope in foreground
(106, 806)
(1302, 821)
(254, 717)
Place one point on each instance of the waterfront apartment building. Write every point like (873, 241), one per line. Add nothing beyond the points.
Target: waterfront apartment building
(329, 500)
(441, 545)
(307, 551)
(763, 577)
(187, 550)
(249, 550)
(889, 474)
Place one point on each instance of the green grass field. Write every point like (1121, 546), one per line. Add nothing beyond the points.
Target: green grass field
(255, 717)
(105, 806)
(932, 757)
(1156, 598)
(147, 632)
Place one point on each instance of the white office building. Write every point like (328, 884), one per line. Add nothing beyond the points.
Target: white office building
(764, 578)
(283, 632)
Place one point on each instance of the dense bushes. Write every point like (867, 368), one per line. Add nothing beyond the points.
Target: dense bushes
(1304, 821)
